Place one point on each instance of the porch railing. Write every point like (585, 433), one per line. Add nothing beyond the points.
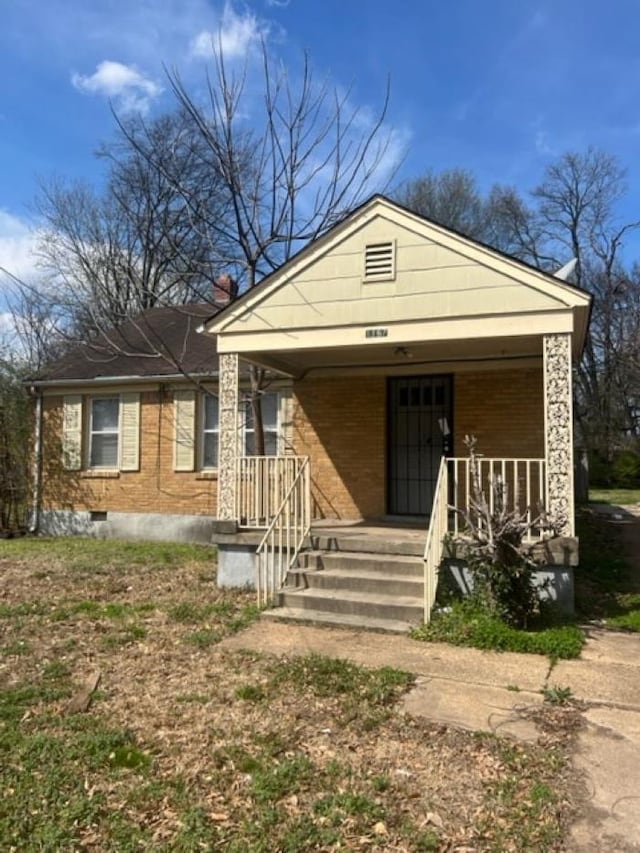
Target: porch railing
(525, 490)
(278, 550)
(524, 481)
(262, 483)
(436, 532)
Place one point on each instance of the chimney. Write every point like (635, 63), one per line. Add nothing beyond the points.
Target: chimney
(225, 289)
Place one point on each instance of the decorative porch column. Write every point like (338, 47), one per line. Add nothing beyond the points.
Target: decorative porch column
(228, 433)
(558, 428)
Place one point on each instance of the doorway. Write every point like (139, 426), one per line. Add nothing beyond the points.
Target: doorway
(420, 419)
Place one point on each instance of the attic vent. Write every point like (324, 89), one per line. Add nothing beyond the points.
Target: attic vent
(379, 261)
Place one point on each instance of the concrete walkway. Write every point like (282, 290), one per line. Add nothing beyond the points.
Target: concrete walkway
(480, 690)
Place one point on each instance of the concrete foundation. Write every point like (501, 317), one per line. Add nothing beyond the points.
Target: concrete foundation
(555, 583)
(160, 527)
(236, 566)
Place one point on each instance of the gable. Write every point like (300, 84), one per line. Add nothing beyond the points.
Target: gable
(435, 275)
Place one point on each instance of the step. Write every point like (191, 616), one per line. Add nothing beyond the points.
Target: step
(385, 564)
(368, 544)
(374, 605)
(337, 620)
(363, 581)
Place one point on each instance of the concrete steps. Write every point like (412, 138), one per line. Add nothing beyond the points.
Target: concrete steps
(337, 620)
(353, 583)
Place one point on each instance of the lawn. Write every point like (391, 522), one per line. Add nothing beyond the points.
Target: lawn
(187, 746)
(608, 578)
(622, 497)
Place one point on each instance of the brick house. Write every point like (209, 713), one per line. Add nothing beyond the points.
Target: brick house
(128, 431)
(389, 339)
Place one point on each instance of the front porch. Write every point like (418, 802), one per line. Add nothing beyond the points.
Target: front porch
(388, 365)
(380, 572)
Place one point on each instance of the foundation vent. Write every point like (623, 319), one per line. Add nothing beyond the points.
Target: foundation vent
(380, 261)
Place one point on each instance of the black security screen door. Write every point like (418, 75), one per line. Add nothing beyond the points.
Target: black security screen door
(420, 424)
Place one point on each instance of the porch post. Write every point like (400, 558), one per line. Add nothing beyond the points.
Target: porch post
(558, 428)
(228, 449)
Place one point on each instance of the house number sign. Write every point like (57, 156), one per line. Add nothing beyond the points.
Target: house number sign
(376, 333)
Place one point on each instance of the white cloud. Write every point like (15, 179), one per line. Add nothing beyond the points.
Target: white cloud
(280, 4)
(17, 245)
(132, 91)
(234, 37)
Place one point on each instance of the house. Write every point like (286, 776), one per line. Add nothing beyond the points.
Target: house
(127, 431)
(389, 339)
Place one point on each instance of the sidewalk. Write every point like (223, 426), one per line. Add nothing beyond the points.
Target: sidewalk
(482, 690)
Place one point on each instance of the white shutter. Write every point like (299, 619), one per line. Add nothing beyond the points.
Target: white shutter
(285, 431)
(72, 432)
(184, 403)
(130, 432)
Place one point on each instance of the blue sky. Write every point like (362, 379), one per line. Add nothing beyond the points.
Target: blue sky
(499, 87)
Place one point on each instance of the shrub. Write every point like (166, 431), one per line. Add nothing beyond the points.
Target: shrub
(501, 564)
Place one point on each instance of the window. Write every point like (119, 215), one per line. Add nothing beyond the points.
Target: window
(104, 432)
(210, 430)
(269, 423)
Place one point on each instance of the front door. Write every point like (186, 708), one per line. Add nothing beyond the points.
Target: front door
(420, 424)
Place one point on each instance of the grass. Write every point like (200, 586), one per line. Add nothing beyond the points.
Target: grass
(190, 746)
(622, 497)
(607, 587)
(104, 555)
(463, 625)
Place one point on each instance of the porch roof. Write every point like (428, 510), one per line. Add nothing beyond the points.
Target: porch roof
(440, 295)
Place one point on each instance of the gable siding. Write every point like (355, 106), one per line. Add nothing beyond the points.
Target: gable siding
(431, 281)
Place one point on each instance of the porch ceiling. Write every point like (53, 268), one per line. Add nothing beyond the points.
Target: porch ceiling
(391, 357)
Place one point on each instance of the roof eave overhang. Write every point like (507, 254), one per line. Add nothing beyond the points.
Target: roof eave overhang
(119, 380)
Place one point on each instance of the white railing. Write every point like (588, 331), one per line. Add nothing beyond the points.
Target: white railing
(438, 528)
(523, 479)
(262, 482)
(278, 550)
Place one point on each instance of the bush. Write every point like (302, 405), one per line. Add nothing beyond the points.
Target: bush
(622, 471)
(464, 624)
(502, 566)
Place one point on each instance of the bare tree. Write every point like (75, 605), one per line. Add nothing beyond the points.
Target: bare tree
(115, 254)
(307, 158)
(577, 216)
(572, 214)
(450, 198)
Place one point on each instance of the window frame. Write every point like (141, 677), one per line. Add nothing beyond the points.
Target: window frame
(91, 432)
(243, 431)
(202, 431)
(273, 431)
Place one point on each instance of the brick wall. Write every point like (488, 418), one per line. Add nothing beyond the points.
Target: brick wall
(341, 424)
(156, 487)
(503, 409)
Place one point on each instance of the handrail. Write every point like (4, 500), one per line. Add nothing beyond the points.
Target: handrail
(436, 533)
(279, 547)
